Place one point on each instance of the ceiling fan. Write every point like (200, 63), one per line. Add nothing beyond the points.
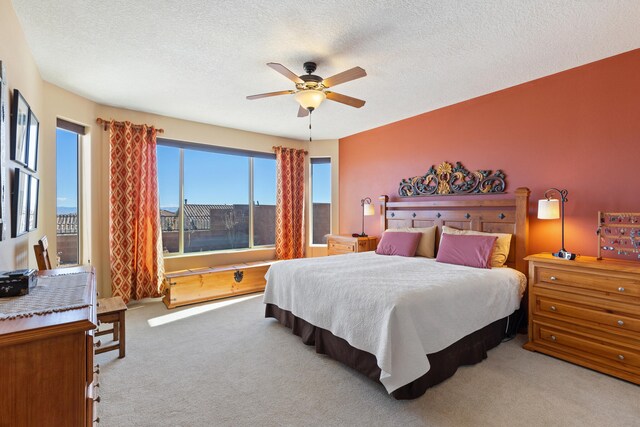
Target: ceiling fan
(311, 90)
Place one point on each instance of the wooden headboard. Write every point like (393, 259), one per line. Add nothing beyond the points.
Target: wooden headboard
(494, 215)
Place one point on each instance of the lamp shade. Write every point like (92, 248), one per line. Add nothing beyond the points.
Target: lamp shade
(310, 98)
(549, 209)
(369, 209)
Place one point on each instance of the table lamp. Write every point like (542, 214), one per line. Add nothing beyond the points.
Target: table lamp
(549, 208)
(367, 210)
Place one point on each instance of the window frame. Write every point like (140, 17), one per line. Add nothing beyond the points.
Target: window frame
(80, 132)
(250, 155)
(319, 160)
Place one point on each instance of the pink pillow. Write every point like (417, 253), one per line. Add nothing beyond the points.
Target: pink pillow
(469, 250)
(399, 243)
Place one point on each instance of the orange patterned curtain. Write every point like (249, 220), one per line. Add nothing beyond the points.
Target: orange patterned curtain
(135, 241)
(289, 203)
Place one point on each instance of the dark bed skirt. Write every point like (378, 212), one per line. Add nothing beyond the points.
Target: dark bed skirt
(467, 351)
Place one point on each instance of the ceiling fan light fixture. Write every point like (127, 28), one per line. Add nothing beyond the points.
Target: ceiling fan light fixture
(310, 99)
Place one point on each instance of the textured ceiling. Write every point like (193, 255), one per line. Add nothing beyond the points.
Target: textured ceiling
(197, 60)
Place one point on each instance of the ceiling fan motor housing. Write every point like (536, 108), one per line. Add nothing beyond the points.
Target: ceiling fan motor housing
(311, 81)
(309, 67)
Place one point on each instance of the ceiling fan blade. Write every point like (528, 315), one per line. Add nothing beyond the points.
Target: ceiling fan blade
(285, 72)
(344, 99)
(345, 76)
(303, 112)
(268, 94)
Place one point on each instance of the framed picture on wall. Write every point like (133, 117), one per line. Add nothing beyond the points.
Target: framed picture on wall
(4, 122)
(19, 128)
(20, 203)
(34, 187)
(32, 142)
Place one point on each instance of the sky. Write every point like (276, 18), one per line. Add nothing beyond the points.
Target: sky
(67, 171)
(212, 178)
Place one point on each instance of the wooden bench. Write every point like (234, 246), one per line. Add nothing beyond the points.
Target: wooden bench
(206, 284)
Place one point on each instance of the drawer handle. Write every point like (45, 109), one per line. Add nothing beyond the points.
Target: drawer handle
(97, 399)
(620, 289)
(97, 420)
(97, 344)
(554, 278)
(96, 385)
(621, 357)
(553, 308)
(238, 276)
(97, 370)
(620, 323)
(553, 338)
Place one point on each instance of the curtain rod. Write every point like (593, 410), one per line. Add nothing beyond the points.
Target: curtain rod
(287, 148)
(106, 123)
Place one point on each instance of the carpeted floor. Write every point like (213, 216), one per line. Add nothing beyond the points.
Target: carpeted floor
(224, 364)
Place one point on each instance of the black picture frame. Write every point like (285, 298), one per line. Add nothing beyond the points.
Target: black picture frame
(19, 128)
(32, 142)
(19, 203)
(34, 192)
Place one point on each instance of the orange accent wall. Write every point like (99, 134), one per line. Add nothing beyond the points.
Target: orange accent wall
(578, 129)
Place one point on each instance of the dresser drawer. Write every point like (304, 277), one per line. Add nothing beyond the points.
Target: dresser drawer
(604, 283)
(564, 309)
(620, 357)
(341, 247)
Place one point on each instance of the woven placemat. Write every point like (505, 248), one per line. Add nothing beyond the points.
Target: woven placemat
(51, 294)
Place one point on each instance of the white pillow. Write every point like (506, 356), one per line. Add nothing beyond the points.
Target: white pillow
(500, 247)
(427, 244)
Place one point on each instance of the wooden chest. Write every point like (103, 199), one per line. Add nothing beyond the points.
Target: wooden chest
(206, 284)
(337, 245)
(587, 312)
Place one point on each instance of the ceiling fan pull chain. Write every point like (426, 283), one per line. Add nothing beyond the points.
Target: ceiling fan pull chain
(310, 127)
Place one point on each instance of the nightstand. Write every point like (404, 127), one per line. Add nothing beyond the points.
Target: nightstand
(586, 312)
(337, 245)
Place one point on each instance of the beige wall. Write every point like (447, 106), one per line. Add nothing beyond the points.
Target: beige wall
(22, 74)
(49, 102)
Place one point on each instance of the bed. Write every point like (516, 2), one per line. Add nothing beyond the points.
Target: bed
(379, 315)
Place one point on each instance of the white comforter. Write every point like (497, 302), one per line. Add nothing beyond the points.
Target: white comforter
(399, 309)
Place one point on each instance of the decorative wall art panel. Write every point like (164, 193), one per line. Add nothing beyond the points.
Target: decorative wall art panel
(32, 142)
(446, 179)
(19, 128)
(20, 203)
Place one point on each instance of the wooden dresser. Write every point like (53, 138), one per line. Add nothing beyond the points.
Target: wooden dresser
(47, 374)
(337, 245)
(587, 312)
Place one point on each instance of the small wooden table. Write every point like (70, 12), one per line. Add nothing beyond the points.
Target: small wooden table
(111, 310)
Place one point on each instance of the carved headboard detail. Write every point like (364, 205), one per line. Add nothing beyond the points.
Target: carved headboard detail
(447, 179)
(497, 215)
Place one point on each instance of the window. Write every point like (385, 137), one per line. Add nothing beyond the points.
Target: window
(67, 193)
(213, 198)
(169, 189)
(320, 199)
(264, 201)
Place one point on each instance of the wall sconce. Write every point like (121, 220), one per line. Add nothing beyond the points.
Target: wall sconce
(367, 210)
(549, 208)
